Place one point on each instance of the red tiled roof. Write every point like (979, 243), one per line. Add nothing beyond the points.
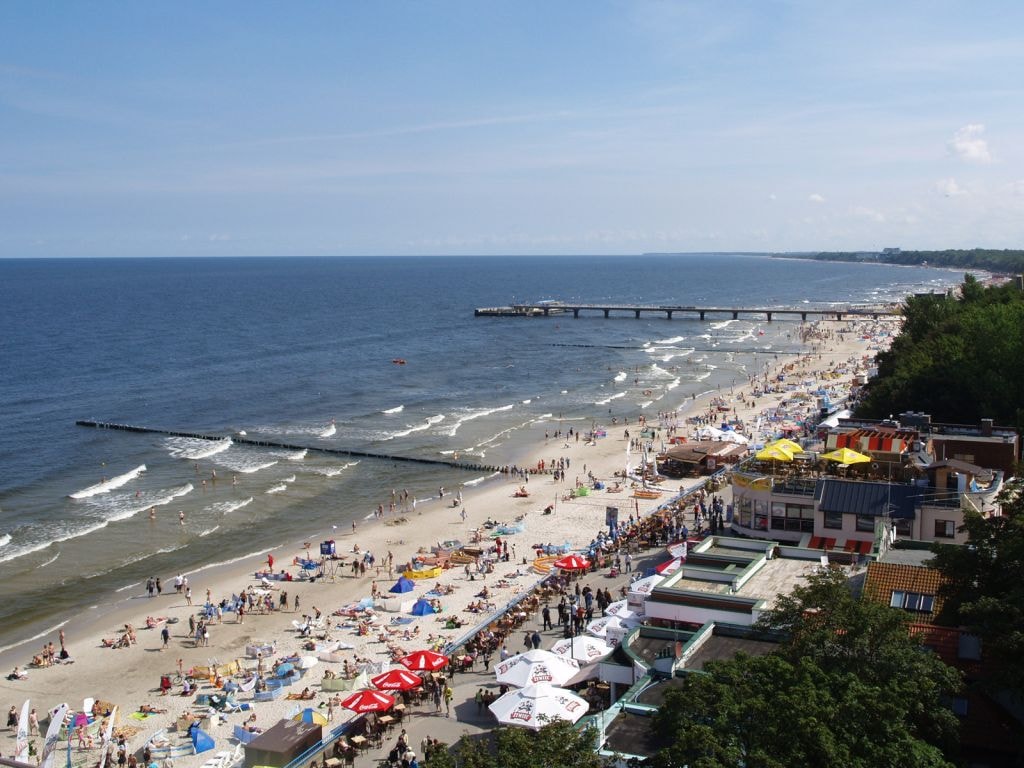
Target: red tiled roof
(883, 578)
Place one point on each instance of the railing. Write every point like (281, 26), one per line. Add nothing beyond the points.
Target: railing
(323, 744)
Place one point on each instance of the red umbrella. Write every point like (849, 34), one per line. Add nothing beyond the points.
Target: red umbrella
(396, 680)
(369, 701)
(430, 661)
(572, 563)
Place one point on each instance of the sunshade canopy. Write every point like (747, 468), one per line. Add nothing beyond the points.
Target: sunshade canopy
(369, 701)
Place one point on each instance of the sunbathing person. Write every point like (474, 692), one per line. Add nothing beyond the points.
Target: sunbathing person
(149, 709)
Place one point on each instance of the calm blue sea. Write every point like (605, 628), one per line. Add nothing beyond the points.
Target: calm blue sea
(301, 349)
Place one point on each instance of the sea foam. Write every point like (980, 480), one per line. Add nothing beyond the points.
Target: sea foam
(108, 485)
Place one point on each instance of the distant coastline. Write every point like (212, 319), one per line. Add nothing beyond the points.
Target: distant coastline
(1005, 262)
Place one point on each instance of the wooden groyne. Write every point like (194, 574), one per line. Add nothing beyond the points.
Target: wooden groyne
(244, 440)
(549, 309)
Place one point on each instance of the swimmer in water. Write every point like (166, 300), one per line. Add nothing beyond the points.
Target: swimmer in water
(181, 517)
(152, 513)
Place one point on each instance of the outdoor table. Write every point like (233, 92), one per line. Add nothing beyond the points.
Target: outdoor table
(332, 762)
(358, 741)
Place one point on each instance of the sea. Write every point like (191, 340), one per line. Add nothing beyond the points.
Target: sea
(303, 351)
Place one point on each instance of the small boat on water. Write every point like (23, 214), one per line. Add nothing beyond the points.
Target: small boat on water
(398, 361)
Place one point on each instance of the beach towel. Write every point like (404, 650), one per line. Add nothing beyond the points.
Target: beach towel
(139, 715)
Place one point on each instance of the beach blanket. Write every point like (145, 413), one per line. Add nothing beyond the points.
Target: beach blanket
(139, 715)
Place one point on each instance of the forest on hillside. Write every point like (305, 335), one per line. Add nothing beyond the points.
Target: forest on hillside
(958, 358)
(1007, 261)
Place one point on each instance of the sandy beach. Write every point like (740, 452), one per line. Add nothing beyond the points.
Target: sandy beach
(129, 677)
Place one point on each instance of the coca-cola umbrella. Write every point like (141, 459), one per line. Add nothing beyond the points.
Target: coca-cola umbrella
(536, 705)
(536, 666)
(646, 584)
(369, 700)
(669, 566)
(396, 680)
(571, 563)
(424, 661)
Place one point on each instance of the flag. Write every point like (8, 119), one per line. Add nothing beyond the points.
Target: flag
(21, 745)
(108, 734)
(52, 735)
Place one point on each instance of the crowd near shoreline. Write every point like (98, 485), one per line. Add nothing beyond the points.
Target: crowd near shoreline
(212, 619)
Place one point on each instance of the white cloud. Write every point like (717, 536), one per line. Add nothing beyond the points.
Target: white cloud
(968, 144)
(949, 187)
(863, 212)
(816, 198)
(1017, 187)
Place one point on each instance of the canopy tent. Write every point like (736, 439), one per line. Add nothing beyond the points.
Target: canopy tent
(369, 701)
(402, 585)
(422, 608)
(536, 666)
(845, 456)
(201, 740)
(536, 705)
(571, 563)
(282, 743)
(424, 661)
(397, 680)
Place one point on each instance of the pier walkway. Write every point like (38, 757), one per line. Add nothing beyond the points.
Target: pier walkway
(242, 439)
(547, 309)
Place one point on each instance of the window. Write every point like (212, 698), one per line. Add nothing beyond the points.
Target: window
(834, 520)
(903, 526)
(792, 517)
(745, 510)
(866, 523)
(760, 516)
(945, 529)
(912, 601)
(959, 706)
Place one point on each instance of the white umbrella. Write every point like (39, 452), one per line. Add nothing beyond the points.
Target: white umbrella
(536, 666)
(586, 650)
(614, 609)
(307, 662)
(536, 705)
(600, 627)
(645, 585)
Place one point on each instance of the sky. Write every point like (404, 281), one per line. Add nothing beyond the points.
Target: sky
(393, 128)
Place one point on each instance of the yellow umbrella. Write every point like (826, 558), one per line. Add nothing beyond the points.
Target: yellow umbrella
(789, 445)
(774, 452)
(309, 715)
(846, 456)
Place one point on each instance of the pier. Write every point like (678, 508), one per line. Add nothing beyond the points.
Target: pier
(244, 440)
(548, 309)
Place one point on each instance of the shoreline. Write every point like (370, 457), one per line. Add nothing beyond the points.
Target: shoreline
(128, 679)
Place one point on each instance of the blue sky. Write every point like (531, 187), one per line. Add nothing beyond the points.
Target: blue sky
(249, 128)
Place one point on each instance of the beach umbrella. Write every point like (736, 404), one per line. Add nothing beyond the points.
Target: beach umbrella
(669, 566)
(571, 563)
(309, 715)
(424, 661)
(307, 662)
(789, 445)
(645, 585)
(614, 609)
(536, 705)
(586, 650)
(536, 666)
(774, 452)
(846, 456)
(402, 585)
(600, 627)
(284, 669)
(422, 608)
(369, 701)
(396, 680)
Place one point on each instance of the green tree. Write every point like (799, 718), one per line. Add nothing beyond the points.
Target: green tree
(849, 687)
(984, 589)
(557, 745)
